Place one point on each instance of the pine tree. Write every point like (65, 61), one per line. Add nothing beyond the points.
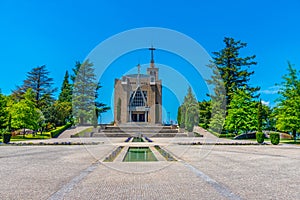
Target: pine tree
(188, 111)
(218, 101)
(233, 68)
(41, 84)
(84, 93)
(288, 108)
(204, 113)
(66, 90)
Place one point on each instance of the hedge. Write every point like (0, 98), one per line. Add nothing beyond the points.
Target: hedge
(275, 138)
(260, 137)
(58, 131)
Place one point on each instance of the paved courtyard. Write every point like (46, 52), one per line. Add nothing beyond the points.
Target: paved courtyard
(201, 172)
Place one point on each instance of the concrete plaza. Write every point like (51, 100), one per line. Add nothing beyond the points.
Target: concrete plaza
(201, 172)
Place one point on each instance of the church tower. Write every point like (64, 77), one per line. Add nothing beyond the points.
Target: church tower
(152, 71)
(138, 97)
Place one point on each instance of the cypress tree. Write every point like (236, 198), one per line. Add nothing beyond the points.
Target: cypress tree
(66, 90)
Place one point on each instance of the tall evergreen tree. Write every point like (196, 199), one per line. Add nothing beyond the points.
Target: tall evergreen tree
(62, 108)
(66, 90)
(204, 113)
(234, 69)
(75, 71)
(288, 108)
(218, 101)
(41, 84)
(188, 111)
(84, 93)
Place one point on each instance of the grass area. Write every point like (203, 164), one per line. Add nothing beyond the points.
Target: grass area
(290, 142)
(83, 132)
(45, 135)
(37, 136)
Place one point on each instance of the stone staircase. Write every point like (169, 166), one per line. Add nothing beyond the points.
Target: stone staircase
(139, 129)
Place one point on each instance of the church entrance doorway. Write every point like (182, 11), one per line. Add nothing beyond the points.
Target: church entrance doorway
(138, 117)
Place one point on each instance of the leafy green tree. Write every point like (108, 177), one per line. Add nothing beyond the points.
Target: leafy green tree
(24, 113)
(41, 84)
(84, 93)
(288, 108)
(259, 117)
(3, 111)
(233, 68)
(242, 114)
(268, 118)
(204, 113)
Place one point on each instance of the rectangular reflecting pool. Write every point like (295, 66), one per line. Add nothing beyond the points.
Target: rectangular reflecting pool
(139, 154)
(137, 139)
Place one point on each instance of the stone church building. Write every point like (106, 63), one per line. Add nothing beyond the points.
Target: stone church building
(138, 97)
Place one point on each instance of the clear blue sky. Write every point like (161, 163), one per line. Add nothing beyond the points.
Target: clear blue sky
(58, 33)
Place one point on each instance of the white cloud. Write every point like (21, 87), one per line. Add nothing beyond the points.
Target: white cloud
(270, 90)
(267, 103)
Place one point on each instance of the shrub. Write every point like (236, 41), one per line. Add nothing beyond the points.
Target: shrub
(58, 131)
(275, 138)
(260, 137)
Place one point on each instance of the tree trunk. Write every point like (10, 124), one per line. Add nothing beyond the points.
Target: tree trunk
(294, 135)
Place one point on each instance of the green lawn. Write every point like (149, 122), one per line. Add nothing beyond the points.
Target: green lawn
(38, 136)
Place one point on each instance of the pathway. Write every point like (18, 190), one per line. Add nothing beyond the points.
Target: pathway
(72, 131)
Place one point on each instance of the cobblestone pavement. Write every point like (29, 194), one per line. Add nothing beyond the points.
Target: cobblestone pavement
(201, 172)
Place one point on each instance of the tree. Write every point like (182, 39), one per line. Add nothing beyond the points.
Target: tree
(66, 90)
(204, 113)
(24, 113)
(41, 84)
(3, 111)
(242, 113)
(181, 116)
(99, 106)
(84, 93)
(63, 107)
(288, 108)
(188, 111)
(259, 117)
(218, 101)
(233, 68)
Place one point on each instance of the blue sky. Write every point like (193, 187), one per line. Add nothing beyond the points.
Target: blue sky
(58, 33)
